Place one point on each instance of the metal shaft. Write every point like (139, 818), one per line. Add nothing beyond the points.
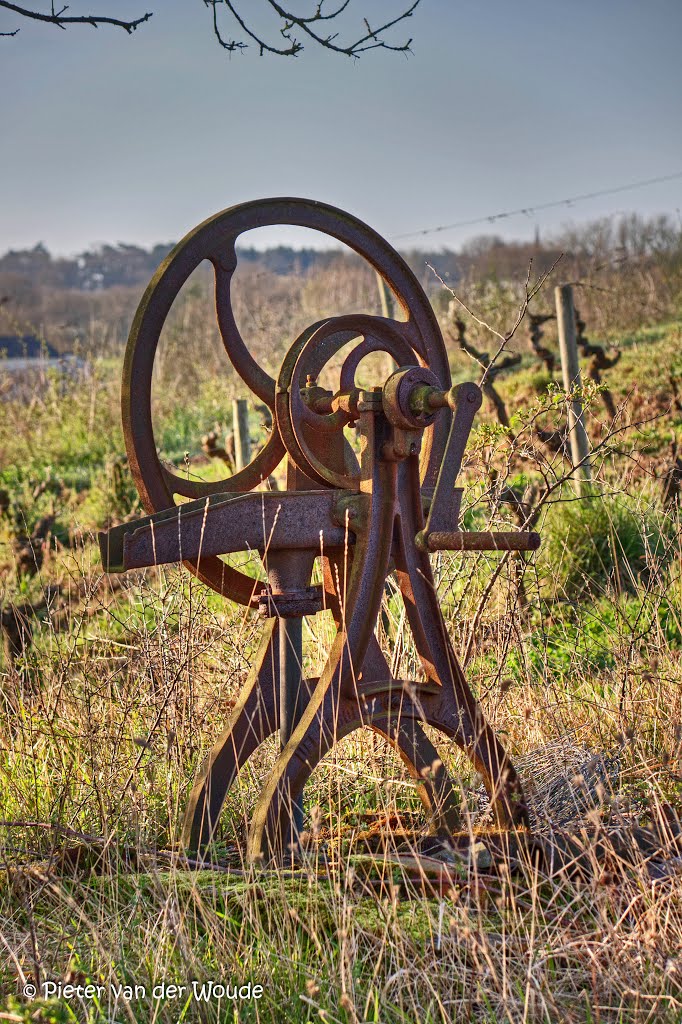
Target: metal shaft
(291, 700)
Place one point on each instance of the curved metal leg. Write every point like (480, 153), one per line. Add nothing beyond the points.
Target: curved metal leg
(460, 715)
(320, 727)
(393, 714)
(438, 793)
(254, 717)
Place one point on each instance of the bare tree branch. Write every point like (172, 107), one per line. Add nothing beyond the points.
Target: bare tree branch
(370, 39)
(226, 12)
(529, 293)
(61, 19)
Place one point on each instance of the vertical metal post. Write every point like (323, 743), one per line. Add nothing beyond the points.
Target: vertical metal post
(291, 700)
(242, 440)
(570, 367)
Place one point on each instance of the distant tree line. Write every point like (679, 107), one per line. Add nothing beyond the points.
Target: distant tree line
(630, 238)
(104, 267)
(111, 266)
(627, 271)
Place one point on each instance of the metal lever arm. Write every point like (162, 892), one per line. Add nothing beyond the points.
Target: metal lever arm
(442, 532)
(465, 400)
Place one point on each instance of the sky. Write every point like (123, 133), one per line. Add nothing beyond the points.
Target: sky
(115, 138)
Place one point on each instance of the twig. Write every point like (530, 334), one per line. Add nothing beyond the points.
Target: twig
(61, 20)
(529, 293)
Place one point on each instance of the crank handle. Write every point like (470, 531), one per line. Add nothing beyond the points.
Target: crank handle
(461, 540)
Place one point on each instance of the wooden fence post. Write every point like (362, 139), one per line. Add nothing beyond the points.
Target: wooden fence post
(387, 311)
(570, 367)
(242, 440)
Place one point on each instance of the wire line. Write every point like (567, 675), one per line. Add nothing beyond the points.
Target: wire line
(491, 218)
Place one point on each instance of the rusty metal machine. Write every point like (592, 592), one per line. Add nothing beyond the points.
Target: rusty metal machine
(350, 515)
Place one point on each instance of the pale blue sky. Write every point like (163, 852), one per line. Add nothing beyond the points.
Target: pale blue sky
(503, 104)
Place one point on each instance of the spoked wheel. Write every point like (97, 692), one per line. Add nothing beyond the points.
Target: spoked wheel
(215, 241)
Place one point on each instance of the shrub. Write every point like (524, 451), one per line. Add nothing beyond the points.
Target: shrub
(600, 541)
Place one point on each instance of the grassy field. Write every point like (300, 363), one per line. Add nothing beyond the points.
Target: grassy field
(113, 690)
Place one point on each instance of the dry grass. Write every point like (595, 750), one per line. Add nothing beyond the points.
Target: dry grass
(102, 745)
(108, 713)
